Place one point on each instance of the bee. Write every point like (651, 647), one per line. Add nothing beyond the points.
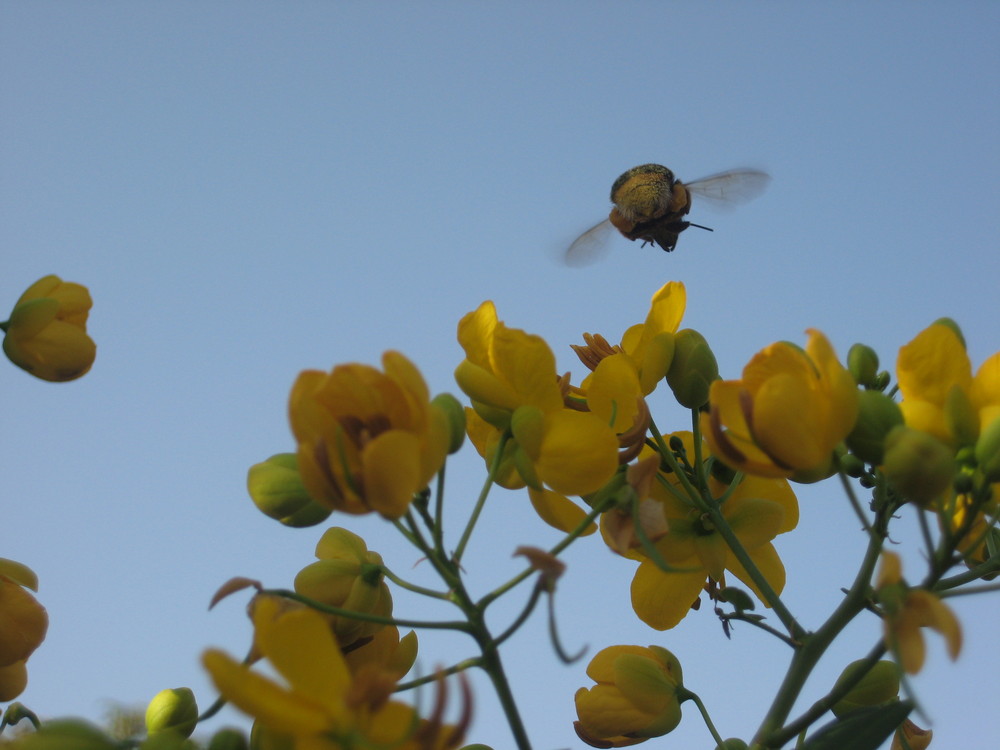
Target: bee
(650, 205)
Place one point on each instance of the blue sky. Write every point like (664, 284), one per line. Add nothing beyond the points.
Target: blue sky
(250, 189)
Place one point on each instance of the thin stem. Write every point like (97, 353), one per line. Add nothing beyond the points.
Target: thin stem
(367, 616)
(481, 500)
(685, 694)
(403, 583)
(461, 666)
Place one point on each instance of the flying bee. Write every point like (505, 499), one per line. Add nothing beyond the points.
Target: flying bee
(650, 205)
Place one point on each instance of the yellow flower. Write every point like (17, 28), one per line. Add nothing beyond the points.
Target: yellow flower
(635, 697)
(757, 511)
(907, 610)
(348, 576)
(940, 394)
(511, 380)
(788, 413)
(915, 737)
(321, 706)
(47, 331)
(367, 440)
(23, 621)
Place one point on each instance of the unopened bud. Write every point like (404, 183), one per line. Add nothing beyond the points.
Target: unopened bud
(877, 416)
(862, 363)
(692, 370)
(276, 488)
(988, 451)
(173, 709)
(228, 738)
(880, 685)
(455, 414)
(917, 464)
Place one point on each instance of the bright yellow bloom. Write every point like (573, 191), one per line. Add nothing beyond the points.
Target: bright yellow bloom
(788, 413)
(907, 610)
(650, 344)
(940, 394)
(47, 331)
(367, 440)
(510, 378)
(757, 510)
(635, 697)
(321, 706)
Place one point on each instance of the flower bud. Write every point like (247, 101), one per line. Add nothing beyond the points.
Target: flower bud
(917, 464)
(263, 738)
(915, 737)
(877, 415)
(880, 685)
(733, 743)
(47, 331)
(350, 577)
(23, 622)
(455, 413)
(228, 738)
(988, 451)
(173, 709)
(276, 488)
(13, 680)
(692, 370)
(862, 363)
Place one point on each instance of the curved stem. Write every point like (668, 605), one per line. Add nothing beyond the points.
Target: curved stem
(481, 500)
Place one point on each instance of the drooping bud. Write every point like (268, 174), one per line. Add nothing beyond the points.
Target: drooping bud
(877, 416)
(455, 412)
(862, 362)
(880, 685)
(172, 710)
(276, 488)
(692, 370)
(917, 464)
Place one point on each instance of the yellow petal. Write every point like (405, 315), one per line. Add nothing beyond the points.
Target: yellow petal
(661, 600)
(302, 649)
(558, 511)
(392, 472)
(931, 363)
(263, 699)
(613, 392)
(579, 453)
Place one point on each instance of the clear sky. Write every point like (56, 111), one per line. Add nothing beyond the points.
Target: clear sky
(250, 189)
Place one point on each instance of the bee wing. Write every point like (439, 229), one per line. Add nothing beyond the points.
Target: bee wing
(727, 189)
(590, 246)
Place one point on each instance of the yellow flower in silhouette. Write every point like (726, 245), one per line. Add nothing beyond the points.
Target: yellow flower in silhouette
(940, 394)
(47, 331)
(635, 697)
(787, 414)
(510, 378)
(906, 611)
(320, 705)
(757, 511)
(367, 440)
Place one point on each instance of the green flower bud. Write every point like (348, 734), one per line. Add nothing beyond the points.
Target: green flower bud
(733, 743)
(173, 709)
(880, 685)
(228, 738)
(276, 489)
(852, 465)
(862, 363)
(455, 413)
(66, 734)
(917, 464)
(692, 370)
(877, 415)
(263, 738)
(988, 451)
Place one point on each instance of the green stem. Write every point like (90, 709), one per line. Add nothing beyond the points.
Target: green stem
(684, 694)
(481, 500)
(771, 734)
